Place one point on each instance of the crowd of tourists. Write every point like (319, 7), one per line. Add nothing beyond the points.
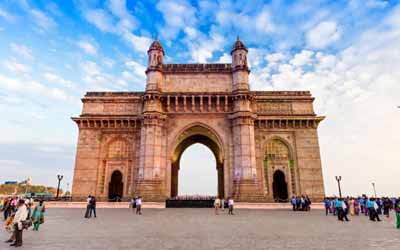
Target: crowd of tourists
(301, 203)
(19, 214)
(371, 207)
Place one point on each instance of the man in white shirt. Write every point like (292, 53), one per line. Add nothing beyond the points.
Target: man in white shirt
(20, 216)
(230, 205)
(139, 205)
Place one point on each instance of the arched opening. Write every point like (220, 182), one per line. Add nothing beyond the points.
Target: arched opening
(197, 172)
(116, 186)
(197, 135)
(279, 186)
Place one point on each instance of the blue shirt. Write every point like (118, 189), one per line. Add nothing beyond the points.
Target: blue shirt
(338, 204)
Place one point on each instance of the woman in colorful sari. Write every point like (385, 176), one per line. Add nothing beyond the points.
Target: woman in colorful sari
(356, 207)
(351, 204)
(8, 226)
(38, 215)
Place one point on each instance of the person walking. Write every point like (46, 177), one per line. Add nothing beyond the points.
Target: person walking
(345, 211)
(327, 203)
(7, 208)
(92, 207)
(223, 204)
(397, 210)
(217, 205)
(133, 203)
(356, 207)
(375, 209)
(351, 204)
(19, 218)
(293, 202)
(230, 205)
(362, 204)
(38, 215)
(139, 205)
(88, 200)
(338, 208)
(387, 205)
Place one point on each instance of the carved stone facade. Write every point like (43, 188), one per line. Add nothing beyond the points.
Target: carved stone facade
(265, 142)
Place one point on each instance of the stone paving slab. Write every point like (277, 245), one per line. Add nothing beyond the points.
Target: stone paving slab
(238, 205)
(198, 229)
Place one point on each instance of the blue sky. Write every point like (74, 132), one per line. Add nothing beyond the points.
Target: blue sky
(346, 52)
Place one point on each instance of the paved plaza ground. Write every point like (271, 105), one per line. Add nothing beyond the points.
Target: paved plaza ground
(190, 229)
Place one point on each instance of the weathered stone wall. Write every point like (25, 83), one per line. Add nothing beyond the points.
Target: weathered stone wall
(100, 107)
(204, 82)
(86, 163)
(309, 163)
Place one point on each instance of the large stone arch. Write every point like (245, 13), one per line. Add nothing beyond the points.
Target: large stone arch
(190, 134)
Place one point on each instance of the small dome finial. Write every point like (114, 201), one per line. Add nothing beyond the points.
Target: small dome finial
(238, 45)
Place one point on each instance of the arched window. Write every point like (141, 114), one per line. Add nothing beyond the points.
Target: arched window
(118, 149)
(277, 150)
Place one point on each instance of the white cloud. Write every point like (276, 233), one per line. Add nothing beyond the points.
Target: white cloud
(118, 22)
(275, 57)
(7, 16)
(137, 69)
(225, 58)
(358, 90)
(101, 19)
(108, 62)
(90, 68)
(376, 4)
(264, 22)
(178, 15)
(54, 78)
(87, 47)
(16, 67)
(118, 8)
(322, 35)
(302, 58)
(140, 43)
(42, 20)
(22, 50)
(203, 49)
(32, 87)
(10, 162)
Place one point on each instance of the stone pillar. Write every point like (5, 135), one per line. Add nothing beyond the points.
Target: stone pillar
(150, 182)
(246, 185)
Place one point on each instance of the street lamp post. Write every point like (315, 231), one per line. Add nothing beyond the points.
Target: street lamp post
(373, 185)
(338, 179)
(59, 177)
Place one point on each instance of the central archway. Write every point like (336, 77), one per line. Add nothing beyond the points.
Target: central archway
(279, 186)
(116, 186)
(197, 134)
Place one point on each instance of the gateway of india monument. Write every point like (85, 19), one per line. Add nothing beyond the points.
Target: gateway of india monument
(265, 142)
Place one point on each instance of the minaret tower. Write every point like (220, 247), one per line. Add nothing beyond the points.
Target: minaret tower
(154, 66)
(242, 118)
(240, 70)
(151, 156)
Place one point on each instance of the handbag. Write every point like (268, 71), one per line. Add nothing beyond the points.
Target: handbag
(41, 219)
(26, 224)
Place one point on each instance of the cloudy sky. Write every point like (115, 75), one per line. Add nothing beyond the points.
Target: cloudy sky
(346, 52)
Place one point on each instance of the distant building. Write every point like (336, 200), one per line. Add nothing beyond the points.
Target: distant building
(10, 182)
